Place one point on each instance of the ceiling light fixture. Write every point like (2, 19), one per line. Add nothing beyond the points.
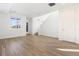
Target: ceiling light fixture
(51, 4)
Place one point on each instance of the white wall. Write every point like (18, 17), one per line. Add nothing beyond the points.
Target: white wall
(5, 29)
(50, 26)
(37, 22)
(46, 24)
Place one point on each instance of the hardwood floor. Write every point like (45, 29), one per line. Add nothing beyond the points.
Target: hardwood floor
(33, 45)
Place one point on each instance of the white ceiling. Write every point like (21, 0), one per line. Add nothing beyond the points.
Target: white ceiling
(28, 9)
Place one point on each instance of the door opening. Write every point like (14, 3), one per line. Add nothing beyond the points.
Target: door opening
(27, 27)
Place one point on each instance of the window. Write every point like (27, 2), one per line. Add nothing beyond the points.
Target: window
(14, 22)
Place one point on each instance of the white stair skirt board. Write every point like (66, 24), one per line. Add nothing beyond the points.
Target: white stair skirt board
(69, 50)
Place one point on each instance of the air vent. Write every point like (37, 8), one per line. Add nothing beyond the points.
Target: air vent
(51, 4)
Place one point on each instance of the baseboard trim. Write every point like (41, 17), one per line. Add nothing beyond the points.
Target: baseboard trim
(12, 37)
(49, 36)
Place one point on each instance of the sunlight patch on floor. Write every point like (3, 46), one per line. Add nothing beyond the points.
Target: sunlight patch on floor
(69, 50)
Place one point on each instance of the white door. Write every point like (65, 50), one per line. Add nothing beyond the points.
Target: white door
(67, 24)
(77, 25)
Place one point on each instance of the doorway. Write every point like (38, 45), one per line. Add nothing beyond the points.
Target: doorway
(26, 26)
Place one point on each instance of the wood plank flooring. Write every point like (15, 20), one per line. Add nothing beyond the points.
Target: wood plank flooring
(33, 45)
